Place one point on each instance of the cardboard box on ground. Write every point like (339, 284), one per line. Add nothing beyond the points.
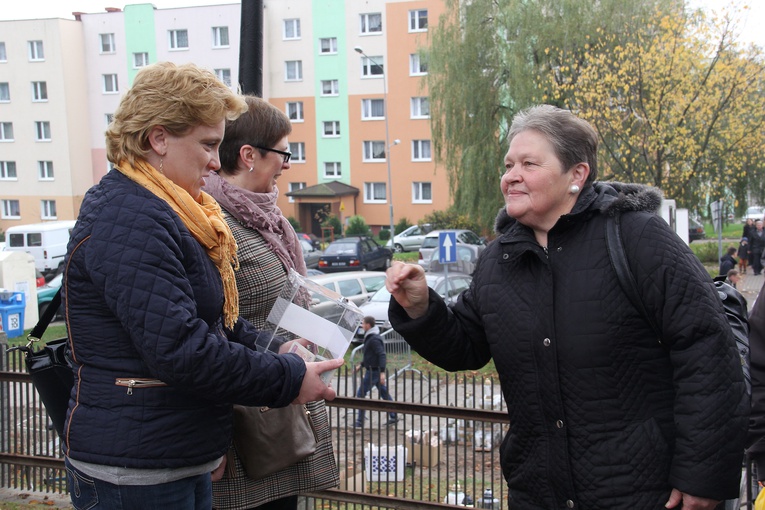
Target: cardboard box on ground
(425, 447)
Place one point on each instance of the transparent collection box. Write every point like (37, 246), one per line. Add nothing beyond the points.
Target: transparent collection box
(305, 309)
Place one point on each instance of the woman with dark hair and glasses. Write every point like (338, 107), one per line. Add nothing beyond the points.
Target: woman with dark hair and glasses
(253, 156)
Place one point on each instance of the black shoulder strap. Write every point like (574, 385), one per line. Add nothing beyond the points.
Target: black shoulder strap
(50, 312)
(618, 256)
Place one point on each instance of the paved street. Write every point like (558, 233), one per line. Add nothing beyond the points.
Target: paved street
(750, 286)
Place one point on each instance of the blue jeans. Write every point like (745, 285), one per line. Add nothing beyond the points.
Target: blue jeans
(371, 379)
(91, 493)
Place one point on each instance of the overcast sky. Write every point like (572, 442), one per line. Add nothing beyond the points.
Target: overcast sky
(752, 23)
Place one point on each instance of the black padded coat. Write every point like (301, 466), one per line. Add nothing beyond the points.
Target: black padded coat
(602, 416)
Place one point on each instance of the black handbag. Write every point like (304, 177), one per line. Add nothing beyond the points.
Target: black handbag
(50, 368)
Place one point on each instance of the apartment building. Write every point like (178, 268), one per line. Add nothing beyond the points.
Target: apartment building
(359, 118)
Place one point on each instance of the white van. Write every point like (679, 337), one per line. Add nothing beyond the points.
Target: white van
(46, 242)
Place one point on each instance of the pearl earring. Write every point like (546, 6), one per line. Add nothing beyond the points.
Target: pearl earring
(574, 189)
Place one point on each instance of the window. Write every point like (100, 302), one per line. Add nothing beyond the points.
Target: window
(220, 37)
(417, 65)
(179, 39)
(224, 75)
(328, 45)
(374, 150)
(6, 131)
(294, 70)
(45, 170)
(330, 88)
(294, 186)
(107, 43)
(331, 128)
(11, 209)
(374, 192)
(372, 66)
(3, 55)
(332, 169)
(36, 50)
(418, 20)
(42, 131)
(420, 108)
(110, 84)
(8, 171)
(39, 91)
(48, 209)
(109, 117)
(5, 92)
(371, 23)
(420, 150)
(298, 152)
(422, 193)
(295, 111)
(291, 29)
(140, 59)
(372, 109)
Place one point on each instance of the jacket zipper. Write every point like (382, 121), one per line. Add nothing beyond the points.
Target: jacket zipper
(139, 383)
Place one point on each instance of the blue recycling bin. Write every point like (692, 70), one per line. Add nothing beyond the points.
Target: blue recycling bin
(12, 312)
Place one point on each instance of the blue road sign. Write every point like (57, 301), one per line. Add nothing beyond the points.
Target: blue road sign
(447, 247)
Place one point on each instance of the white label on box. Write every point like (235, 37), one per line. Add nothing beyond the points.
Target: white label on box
(315, 328)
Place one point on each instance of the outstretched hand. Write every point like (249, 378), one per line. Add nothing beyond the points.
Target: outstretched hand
(313, 388)
(406, 283)
(685, 501)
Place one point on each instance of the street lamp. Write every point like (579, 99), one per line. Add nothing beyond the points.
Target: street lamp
(388, 145)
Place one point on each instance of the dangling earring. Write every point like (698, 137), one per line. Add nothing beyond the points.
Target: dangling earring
(252, 168)
(573, 189)
(160, 167)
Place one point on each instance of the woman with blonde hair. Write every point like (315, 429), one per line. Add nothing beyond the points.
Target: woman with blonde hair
(158, 349)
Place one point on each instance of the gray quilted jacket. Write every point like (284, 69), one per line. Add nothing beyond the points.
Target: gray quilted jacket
(602, 415)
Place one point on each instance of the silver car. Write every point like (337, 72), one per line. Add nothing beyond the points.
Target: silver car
(410, 239)
(430, 245)
(310, 254)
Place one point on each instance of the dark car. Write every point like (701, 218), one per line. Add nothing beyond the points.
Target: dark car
(353, 254)
(46, 293)
(310, 254)
(695, 230)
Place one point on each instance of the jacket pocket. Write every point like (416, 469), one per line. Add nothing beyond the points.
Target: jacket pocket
(138, 382)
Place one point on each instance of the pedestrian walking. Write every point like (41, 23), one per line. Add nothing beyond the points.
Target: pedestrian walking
(373, 364)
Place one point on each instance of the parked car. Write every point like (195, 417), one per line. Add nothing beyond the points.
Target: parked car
(430, 244)
(377, 306)
(356, 286)
(46, 293)
(39, 278)
(315, 241)
(754, 213)
(311, 255)
(467, 257)
(410, 239)
(354, 253)
(695, 230)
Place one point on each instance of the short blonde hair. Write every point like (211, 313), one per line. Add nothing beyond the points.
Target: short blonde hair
(177, 97)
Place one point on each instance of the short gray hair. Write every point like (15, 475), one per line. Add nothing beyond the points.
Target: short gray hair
(573, 139)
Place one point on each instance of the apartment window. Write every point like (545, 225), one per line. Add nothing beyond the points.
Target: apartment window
(8, 171)
(422, 193)
(330, 88)
(374, 150)
(140, 59)
(48, 209)
(417, 65)
(3, 55)
(420, 150)
(420, 108)
(36, 50)
(42, 131)
(224, 75)
(293, 70)
(45, 170)
(107, 43)
(109, 117)
(418, 20)
(220, 37)
(328, 45)
(5, 92)
(372, 66)
(291, 29)
(332, 169)
(110, 83)
(374, 193)
(331, 128)
(295, 111)
(6, 131)
(372, 109)
(179, 39)
(371, 23)
(11, 209)
(298, 152)
(39, 91)
(295, 186)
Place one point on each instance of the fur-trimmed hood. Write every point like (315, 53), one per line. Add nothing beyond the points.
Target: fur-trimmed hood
(607, 197)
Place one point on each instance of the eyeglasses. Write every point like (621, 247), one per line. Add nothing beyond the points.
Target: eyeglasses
(285, 154)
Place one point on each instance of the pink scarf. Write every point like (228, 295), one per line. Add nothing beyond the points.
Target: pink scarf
(259, 211)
